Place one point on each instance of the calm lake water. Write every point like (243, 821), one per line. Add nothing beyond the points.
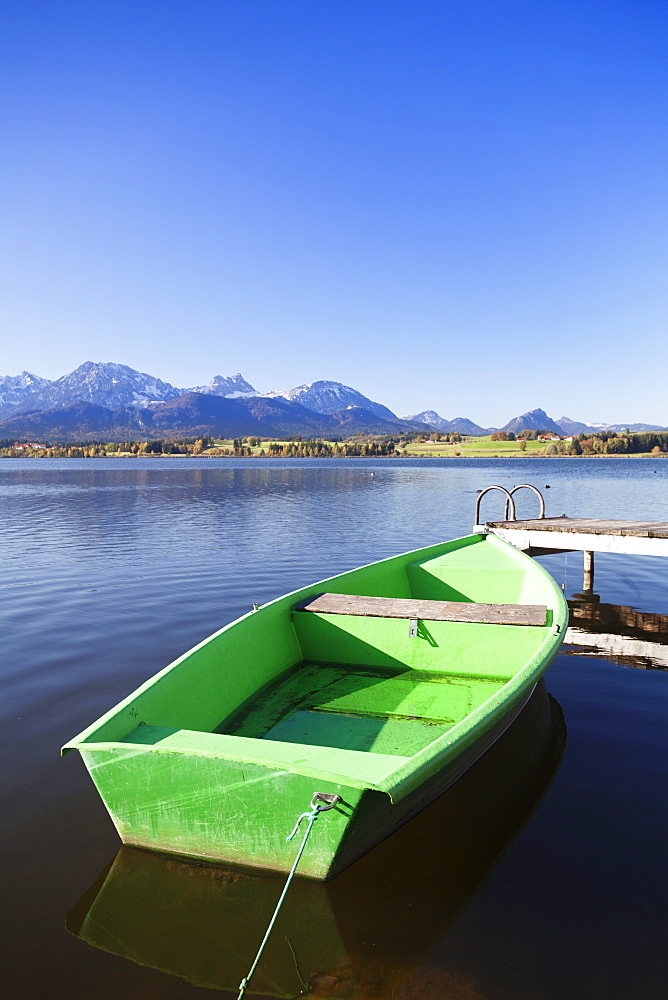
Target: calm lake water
(540, 876)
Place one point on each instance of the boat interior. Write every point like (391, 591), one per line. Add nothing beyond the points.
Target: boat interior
(377, 709)
(355, 682)
(379, 685)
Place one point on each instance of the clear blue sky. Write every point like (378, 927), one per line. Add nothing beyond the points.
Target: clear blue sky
(458, 205)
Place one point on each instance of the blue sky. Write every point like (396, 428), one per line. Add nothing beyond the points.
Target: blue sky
(449, 205)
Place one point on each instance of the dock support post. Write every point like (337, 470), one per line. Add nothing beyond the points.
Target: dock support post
(588, 581)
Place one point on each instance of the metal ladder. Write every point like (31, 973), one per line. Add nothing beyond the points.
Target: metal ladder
(510, 514)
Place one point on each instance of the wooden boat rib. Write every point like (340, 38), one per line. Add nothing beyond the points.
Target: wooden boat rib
(381, 690)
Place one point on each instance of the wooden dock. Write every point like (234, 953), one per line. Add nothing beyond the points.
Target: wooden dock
(541, 536)
(544, 535)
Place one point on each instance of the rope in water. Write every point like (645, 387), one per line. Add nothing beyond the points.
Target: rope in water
(311, 816)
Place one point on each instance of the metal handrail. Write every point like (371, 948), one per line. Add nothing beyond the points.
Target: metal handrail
(508, 501)
(523, 486)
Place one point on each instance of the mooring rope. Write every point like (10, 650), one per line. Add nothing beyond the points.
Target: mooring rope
(311, 816)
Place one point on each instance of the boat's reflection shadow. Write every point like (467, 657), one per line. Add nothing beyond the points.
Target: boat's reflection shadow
(360, 936)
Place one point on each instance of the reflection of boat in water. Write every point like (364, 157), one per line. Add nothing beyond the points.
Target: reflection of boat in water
(626, 636)
(361, 935)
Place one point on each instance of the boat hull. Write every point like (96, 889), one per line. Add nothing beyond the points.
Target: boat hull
(239, 813)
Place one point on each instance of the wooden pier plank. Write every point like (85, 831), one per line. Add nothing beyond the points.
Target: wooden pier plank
(592, 526)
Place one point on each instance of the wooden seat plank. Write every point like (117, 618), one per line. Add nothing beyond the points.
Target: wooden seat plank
(441, 611)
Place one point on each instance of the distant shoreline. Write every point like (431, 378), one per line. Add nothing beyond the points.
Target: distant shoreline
(527, 444)
(266, 455)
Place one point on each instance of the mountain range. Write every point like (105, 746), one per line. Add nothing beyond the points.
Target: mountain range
(115, 402)
(460, 425)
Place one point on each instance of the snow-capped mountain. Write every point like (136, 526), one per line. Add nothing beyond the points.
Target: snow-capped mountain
(569, 426)
(18, 389)
(105, 384)
(430, 417)
(330, 397)
(233, 387)
(459, 425)
(114, 386)
(633, 428)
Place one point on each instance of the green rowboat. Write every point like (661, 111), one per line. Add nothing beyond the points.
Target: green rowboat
(377, 688)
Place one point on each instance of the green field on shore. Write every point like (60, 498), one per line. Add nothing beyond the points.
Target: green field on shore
(472, 446)
(481, 446)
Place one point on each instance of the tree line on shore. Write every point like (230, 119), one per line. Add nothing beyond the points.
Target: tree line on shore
(601, 443)
(611, 443)
(240, 448)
